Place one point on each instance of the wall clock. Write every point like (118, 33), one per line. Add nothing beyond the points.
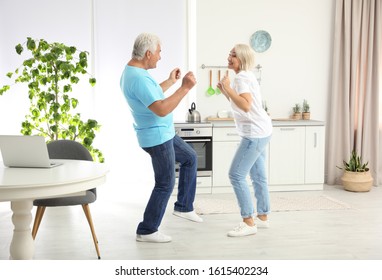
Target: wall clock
(260, 41)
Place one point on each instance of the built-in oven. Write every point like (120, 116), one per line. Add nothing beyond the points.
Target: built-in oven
(199, 137)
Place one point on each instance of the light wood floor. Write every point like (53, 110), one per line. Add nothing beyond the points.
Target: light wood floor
(347, 234)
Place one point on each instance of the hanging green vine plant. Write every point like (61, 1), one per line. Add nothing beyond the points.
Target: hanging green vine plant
(50, 73)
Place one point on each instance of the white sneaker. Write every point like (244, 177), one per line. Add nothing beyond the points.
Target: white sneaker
(242, 230)
(156, 237)
(192, 216)
(262, 224)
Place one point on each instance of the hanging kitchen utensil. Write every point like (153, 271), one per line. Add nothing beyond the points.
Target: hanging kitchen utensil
(210, 90)
(217, 89)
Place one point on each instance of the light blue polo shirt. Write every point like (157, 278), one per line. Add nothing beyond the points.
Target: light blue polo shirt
(141, 90)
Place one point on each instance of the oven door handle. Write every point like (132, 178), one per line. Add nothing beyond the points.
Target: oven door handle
(197, 140)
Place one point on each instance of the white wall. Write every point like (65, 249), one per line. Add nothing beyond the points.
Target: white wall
(39, 19)
(295, 67)
(117, 24)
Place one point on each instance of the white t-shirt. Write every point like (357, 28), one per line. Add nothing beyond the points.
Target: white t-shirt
(256, 123)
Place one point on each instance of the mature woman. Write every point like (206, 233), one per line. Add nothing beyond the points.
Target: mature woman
(255, 128)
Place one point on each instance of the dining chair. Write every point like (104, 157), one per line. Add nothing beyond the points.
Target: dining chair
(67, 149)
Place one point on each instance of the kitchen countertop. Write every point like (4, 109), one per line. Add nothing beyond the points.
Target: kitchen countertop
(275, 122)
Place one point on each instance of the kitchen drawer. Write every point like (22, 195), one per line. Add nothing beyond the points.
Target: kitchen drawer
(225, 134)
(203, 185)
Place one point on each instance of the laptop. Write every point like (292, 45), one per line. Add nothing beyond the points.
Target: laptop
(25, 151)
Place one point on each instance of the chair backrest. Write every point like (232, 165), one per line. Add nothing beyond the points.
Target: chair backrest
(69, 149)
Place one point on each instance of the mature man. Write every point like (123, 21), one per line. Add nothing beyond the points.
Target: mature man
(152, 113)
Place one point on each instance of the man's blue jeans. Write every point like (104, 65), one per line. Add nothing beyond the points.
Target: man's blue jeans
(163, 159)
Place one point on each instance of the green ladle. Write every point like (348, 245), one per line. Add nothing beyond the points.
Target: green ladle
(210, 90)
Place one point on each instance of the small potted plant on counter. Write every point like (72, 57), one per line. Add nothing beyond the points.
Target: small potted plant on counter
(305, 110)
(296, 112)
(357, 176)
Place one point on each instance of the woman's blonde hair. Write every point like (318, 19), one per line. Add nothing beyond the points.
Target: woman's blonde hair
(246, 55)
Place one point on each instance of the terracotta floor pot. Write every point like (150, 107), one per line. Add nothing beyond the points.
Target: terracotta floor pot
(357, 181)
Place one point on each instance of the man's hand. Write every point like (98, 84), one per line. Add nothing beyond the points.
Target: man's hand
(175, 75)
(189, 81)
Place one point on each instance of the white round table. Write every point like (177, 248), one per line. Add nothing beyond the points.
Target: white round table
(21, 186)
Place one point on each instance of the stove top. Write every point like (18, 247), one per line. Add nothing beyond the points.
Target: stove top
(186, 129)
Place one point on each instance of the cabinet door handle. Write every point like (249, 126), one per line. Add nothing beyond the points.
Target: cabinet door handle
(232, 134)
(197, 140)
(287, 128)
(315, 139)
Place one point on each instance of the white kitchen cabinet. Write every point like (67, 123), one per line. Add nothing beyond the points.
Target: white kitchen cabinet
(223, 153)
(286, 156)
(295, 158)
(203, 185)
(314, 154)
(225, 143)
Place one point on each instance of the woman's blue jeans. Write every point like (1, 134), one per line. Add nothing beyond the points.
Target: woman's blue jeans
(163, 159)
(250, 158)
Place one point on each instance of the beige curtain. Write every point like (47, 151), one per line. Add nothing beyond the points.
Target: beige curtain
(356, 85)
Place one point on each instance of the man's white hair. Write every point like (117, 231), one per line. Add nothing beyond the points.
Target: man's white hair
(145, 42)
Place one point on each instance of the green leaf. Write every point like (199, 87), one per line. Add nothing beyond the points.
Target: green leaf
(83, 63)
(4, 89)
(19, 49)
(92, 123)
(57, 117)
(67, 88)
(73, 129)
(88, 141)
(53, 128)
(31, 44)
(35, 112)
(29, 62)
(92, 82)
(65, 108)
(50, 97)
(43, 45)
(35, 73)
(74, 80)
(355, 163)
(83, 56)
(74, 102)
(64, 66)
(44, 80)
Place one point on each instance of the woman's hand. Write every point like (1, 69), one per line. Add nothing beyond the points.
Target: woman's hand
(225, 82)
(224, 86)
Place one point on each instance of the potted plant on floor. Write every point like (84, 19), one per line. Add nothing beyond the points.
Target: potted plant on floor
(305, 110)
(50, 73)
(357, 176)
